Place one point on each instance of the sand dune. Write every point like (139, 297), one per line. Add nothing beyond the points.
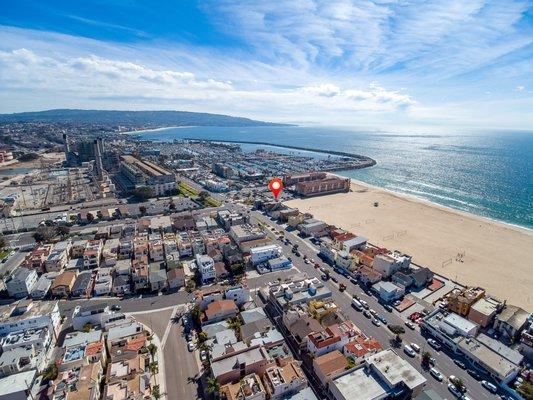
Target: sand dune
(495, 256)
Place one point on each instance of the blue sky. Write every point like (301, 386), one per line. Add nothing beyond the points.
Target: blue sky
(389, 64)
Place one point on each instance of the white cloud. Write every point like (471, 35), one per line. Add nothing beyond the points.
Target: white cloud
(520, 88)
(98, 77)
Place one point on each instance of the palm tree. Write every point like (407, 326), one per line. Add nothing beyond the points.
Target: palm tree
(426, 356)
(212, 385)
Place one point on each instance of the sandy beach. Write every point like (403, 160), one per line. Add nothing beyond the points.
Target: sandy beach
(494, 255)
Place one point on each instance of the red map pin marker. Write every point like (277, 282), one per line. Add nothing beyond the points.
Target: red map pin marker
(275, 186)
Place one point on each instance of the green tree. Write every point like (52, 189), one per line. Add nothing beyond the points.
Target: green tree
(50, 373)
(154, 367)
(235, 324)
(44, 233)
(152, 348)
(190, 286)
(202, 338)
(426, 357)
(397, 329)
(143, 193)
(196, 313)
(3, 242)
(28, 157)
(156, 392)
(237, 268)
(526, 390)
(90, 217)
(142, 210)
(87, 327)
(212, 385)
(459, 384)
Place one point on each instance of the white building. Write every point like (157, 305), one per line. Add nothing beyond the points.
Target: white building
(388, 291)
(21, 282)
(56, 260)
(94, 314)
(262, 254)
(239, 294)
(110, 251)
(388, 264)
(27, 314)
(206, 267)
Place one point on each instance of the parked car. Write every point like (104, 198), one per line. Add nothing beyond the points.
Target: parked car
(459, 363)
(410, 325)
(115, 307)
(373, 312)
(409, 350)
(190, 346)
(357, 305)
(491, 387)
(353, 280)
(334, 279)
(367, 314)
(388, 307)
(324, 277)
(454, 390)
(376, 322)
(382, 319)
(364, 304)
(415, 347)
(436, 374)
(474, 374)
(203, 355)
(342, 287)
(433, 343)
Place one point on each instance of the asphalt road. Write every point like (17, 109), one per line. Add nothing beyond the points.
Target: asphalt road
(444, 363)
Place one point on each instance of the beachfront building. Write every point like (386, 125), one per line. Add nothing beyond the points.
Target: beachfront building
(388, 264)
(510, 322)
(136, 173)
(328, 185)
(484, 310)
(388, 291)
(460, 301)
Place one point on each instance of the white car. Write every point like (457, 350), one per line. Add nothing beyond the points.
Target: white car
(409, 351)
(373, 312)
(436, 374)
(415, 347)
(491, 387)
(454, 390)
(190, 346)
(410, 325)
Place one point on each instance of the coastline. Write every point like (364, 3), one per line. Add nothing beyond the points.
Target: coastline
(412, 197)
(464, 247)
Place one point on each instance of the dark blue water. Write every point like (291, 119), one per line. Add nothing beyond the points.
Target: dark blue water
(488, 174)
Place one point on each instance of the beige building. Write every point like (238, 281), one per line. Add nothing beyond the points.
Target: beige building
(483, 311)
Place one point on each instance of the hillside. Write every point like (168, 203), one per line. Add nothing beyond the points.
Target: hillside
(128, 118)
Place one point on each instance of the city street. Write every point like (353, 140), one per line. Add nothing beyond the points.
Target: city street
(444, 363)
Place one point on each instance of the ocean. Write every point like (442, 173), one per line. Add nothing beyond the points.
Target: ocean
(489, 174)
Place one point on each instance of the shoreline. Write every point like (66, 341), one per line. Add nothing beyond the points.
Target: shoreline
(411, 197)
(336, 173)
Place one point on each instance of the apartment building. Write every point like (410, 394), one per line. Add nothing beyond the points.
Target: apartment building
(21, 282)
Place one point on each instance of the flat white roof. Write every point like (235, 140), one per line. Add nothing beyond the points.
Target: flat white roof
(360, 385)
(17, 382)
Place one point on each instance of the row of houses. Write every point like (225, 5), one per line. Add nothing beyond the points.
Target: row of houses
(334, 349)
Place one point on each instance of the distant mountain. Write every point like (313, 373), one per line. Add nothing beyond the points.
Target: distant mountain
(132, 118)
